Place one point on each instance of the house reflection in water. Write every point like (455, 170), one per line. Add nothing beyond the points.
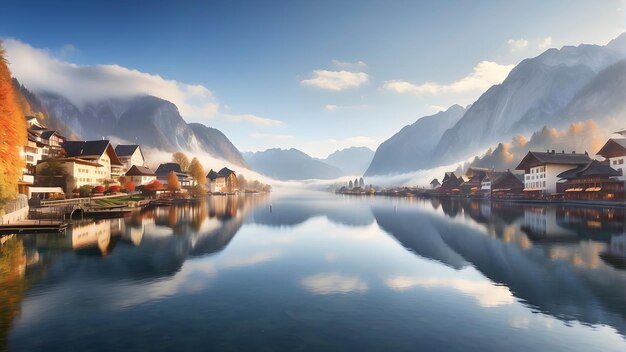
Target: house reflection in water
(101, 234)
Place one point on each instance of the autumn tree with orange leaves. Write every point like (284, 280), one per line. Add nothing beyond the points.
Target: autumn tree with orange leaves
(12, 134)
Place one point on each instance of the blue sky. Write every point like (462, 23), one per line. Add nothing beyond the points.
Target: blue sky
(315, 75)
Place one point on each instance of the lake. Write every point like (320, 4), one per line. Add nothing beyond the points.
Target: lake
(313, 271)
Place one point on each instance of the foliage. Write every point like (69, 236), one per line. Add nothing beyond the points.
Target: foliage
(114, 189)
(350, 185)
(172, 182)
(12, 134)
(122, 180)
(181, 159)
(197, 172)
(154, 185)
(98, 189)
(84, 191)
(129, 186)
(197, 190)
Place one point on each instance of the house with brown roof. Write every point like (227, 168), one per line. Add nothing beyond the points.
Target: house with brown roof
(593, 181)
(224, 181)
(140, 175)
(163, 171)
(501, 183)
(79, 172)
(614, 150)
(541, 170)
(450, 183)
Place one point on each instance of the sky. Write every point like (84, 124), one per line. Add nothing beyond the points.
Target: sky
(313, 75)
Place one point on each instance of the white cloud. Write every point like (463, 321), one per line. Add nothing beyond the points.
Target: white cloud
(517, 44)
(545, 43)
(39, 70)
(336, 80)
(351, 66)
(333, 283)
(334, 107)
(487, 294)
(483, 76)
(257, 120)
(356, 141)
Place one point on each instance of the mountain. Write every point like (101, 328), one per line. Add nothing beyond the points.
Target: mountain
(351, 161)
(290, 164)
(533, 95)
(413, 147)
(145, 120)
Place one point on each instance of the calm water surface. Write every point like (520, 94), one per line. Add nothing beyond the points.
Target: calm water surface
(315, 272)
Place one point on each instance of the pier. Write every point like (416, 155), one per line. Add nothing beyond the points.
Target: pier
(33, 226)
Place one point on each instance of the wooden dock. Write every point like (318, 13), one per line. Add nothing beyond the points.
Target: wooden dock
(33, 226)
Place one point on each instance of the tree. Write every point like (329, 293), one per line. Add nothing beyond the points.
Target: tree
(98, 189)
(361, 182)
(197, 172)
(114, 189)
(181, 159)
(350, 186)
(356, 182)
(130, 186)
(122, 180)
(85, 190)
(52, 173)
(172, 182)
(12, 134)
(154, 185)
(243, 183)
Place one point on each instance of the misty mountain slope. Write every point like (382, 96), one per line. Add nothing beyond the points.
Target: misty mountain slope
(290, 164)
(603, 99)
(413, 146)
(145, 120)
(352, 161)
(532, 96)
(216, 143)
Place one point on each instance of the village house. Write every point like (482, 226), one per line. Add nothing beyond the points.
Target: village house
(593, 181)
(129, 155)
(163, 171)
(140, 175)
(223, 181)
(98, 152)
(473, 184)
(79, 172)
(41, 143)
(541, 170)
(614, 150)
(450, 183)
(501, 183)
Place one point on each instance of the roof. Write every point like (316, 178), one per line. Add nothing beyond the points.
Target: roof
(90, 148)
(592, 169)
(139, 171)
(225, 172)
(613, 147)
(126, 149)
(434, 181)
(533, 159)
(212, 175)
(164, 169)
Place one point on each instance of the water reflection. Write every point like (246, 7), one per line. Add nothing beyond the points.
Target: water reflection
(315, 270)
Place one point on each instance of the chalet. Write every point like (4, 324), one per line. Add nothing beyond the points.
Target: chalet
(129, 155)
(474, 180)
(78, 173)
(224, 180)
(615, 152)
(41, 143)
(164, 169)
(99, 152)
(140, 175)
(450, 183)
(434, 184)
(541, 170)
(592, 181)
(501, 183)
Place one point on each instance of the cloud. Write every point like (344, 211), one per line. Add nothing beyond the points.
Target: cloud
(336, 80)
(517, 44)
(356, 141)
(483, 76)
(333, 107)
(39, 70)
(545, 43)
(256, 120)
(487, 294)
(67, 50)
(333, 283)
(350, 66)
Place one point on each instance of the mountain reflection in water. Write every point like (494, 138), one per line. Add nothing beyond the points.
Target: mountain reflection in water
(306, 260)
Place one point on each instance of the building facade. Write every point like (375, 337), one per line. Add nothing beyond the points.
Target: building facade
(541, 170)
